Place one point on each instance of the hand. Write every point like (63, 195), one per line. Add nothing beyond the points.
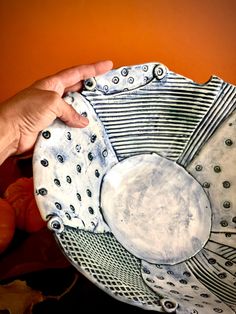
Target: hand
(23, 116)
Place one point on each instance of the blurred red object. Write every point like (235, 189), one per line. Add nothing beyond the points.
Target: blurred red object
(7, 224)
(20, 195)
(38, 251)
(9, 172)
(25, 243)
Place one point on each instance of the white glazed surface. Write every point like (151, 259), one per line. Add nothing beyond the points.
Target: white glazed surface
(138, 111)
(156, 209)
(74, 178)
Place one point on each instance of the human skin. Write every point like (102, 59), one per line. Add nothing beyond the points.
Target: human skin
(31, 110)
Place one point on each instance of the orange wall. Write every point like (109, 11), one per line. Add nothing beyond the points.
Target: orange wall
(196, 38)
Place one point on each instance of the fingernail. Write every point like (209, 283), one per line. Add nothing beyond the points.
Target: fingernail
(83, 121)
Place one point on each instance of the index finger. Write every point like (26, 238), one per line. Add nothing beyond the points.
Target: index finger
(67, 78)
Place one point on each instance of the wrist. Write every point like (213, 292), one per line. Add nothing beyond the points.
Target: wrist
(8, 134)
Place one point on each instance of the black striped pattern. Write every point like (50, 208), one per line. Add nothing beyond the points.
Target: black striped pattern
(158, 117)
(224, 238)
(221, 108)
(210, 270)
(228, 252)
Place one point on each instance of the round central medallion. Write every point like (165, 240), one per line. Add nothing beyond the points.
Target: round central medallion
(156, 209)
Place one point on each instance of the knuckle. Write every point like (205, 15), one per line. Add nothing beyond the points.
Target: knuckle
(50, 83)
(52, 96)
(51, 100)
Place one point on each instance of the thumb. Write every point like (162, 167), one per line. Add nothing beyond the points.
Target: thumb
(70, 116)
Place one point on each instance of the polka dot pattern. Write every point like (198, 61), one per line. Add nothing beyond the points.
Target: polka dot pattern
(130, 77)
(179, 283)
(71, 165)
(214, 168)
(215, 164)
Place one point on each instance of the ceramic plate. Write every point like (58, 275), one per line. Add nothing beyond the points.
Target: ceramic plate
(143, 200)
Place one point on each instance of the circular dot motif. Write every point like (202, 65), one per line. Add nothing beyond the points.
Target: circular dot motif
(78, 168)
(159, 72)
(68, 216)
(130, 80)
(105, 88)
(78, 196)
(217, 169)
(91, 211)
(228, 263)
(58, 205)
(206, 185)
(226, 184)
(93, 138)
(115, 80)
(44, 162)
(228, 142)
(78, 148)
(89, 193)
(124, 72)
(56, 225)
(68, 136)
(60, 158)
(72, 208)
(84, 114)
(170, 284)
(57, 182)
(199, 305)
(211, 261)
(198, 167)
(68, 179)
(90, 156)
(169, 304)
(226, 204)
(105, 153)
(46, 134)
(146, 271)
(42, 191)
(222, 275)
(150, 280)
(158, 287)
(224, 223)
(145, 68)
(90, 84)
(97, 174)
